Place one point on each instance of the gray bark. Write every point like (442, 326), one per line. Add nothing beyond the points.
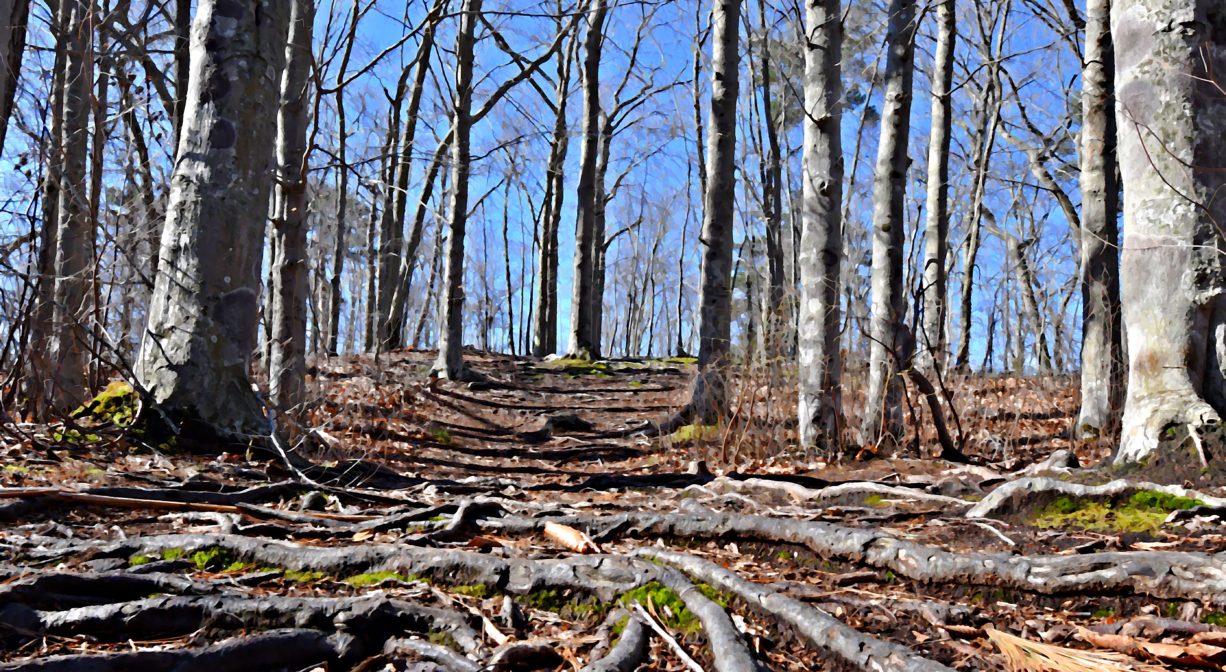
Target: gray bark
(287, 360)
(582, 341)
(883, 408)
(821, 238)
(1101, 352)
(1172, 154)
(13, 17)
(203, 318)
(715, 293)
(772, 200)
(74, 237)
(931, 351)
(450, 363)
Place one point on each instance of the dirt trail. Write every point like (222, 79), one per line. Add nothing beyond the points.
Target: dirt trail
(440, 533)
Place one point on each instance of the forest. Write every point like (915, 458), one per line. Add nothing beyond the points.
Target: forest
(891, 335)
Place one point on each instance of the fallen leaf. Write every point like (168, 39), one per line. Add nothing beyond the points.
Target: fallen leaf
(570, 538)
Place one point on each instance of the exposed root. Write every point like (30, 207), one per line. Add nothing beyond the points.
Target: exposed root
(1025, 492)
(628, 654)
(728, 648)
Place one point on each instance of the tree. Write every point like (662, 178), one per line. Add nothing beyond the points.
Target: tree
(202, 325)
(1173, 162)
(883, 408)
(287, 361)
(931, 352)
(821, 238)
(582, 330)
(450, 363)
(715, 293)
(1101, 351)
(13, 17)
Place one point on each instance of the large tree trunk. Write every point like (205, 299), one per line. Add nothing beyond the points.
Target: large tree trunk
(772, 199)
(883, 407)
(287, 361)
(183, 64)
(13, 17)
(391, 229)
(931, 346)
(582, 343)
(203, 318)
(821, 238)
(1101, 352)
(450, 363)
(74, 249)
(715, 294)
(545, 317)
(1172, 155)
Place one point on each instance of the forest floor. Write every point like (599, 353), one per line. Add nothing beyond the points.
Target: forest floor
(527, 522)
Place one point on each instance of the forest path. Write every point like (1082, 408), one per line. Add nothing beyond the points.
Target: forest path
(524, 523)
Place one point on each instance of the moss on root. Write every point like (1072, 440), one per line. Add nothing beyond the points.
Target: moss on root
(1144, 512)
(694, 434)
(669, 606)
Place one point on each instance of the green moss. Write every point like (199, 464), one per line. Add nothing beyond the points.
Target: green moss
(875, 501)
(173, 553)
(441, 435)
(442, 639)
(668, 605)
(213, 558)
(1214, 618)
(16, 469)
(1108, 612)
(375, 578)
(579, 366)
(118, 404)
(1144, 511)
(784, 554)
(635, 383)
(620, 626)
(714, 594)
(477, 590)
(138, 560)
(565, 604)
(239, 566)
(685, 361)
(694, 433)
(303, 577)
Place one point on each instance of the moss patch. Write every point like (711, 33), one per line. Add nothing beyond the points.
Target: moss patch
(565, 603)
(477, 590)
(118, 404)
(375, 578)
(695, 433)
(1144, 511)
(1214, 618)
(668, 605)
(577, 366)
(303, 577)
(213, 558)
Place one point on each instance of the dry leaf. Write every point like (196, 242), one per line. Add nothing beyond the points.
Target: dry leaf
(1023, 655)
(570, 538)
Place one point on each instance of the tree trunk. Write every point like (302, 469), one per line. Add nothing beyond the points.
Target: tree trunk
(582, 343)
(203, 318)
(545, 318)
(1173, 162)
(772, 199)
(1101, 352)
(13, 17)
(75, 243)
(183, 65)
(1025, 280)
(715, 294)
(287, 360)
(883, 407)
(821, 237)
(450, 364)
(930, 352)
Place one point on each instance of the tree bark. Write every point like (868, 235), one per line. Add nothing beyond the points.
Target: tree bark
(883, 407)
(715, 293)
(13, 17)
(821, 238)
(1173, 163)
(545, 317)
(1101, 349)
(450, 364)
(75, 244)
(203, 318)
(582, 343)
(287, 360)
(931, 351)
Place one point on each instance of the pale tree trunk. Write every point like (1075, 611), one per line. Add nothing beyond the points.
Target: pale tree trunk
(450, 364)
(1016, 250)
(13, 17)
(1101, 353)
(332, 344)
(931, 338)
(821, 237)
(582, 343)
(545, 316)
(287, 360)
(772, 198)
(204, 315)
(715, 294)
(883, 407)
(74, 249)
(391, 229)
(1173, 161)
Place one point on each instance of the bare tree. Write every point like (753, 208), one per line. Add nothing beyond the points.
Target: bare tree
(821, 240)
(883, 408)
(1173, 165)
(13, 17)
(203, 319)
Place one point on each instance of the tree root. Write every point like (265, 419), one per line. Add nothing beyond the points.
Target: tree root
(436, 653)
(818, 627)
(628, 654)
(65, 590)
(728, 648)
(834, 492)
(1015, 495)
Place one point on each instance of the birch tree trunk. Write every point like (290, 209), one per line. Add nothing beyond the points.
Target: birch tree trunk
(1101, 352)
(715, 293)
(1172, 152)
(821, 237)
(203, 318)
(931, 351)
(883, 407)
(287, 360)
(13, 17)
(74, 249)
(582, 343)
(450, 364)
